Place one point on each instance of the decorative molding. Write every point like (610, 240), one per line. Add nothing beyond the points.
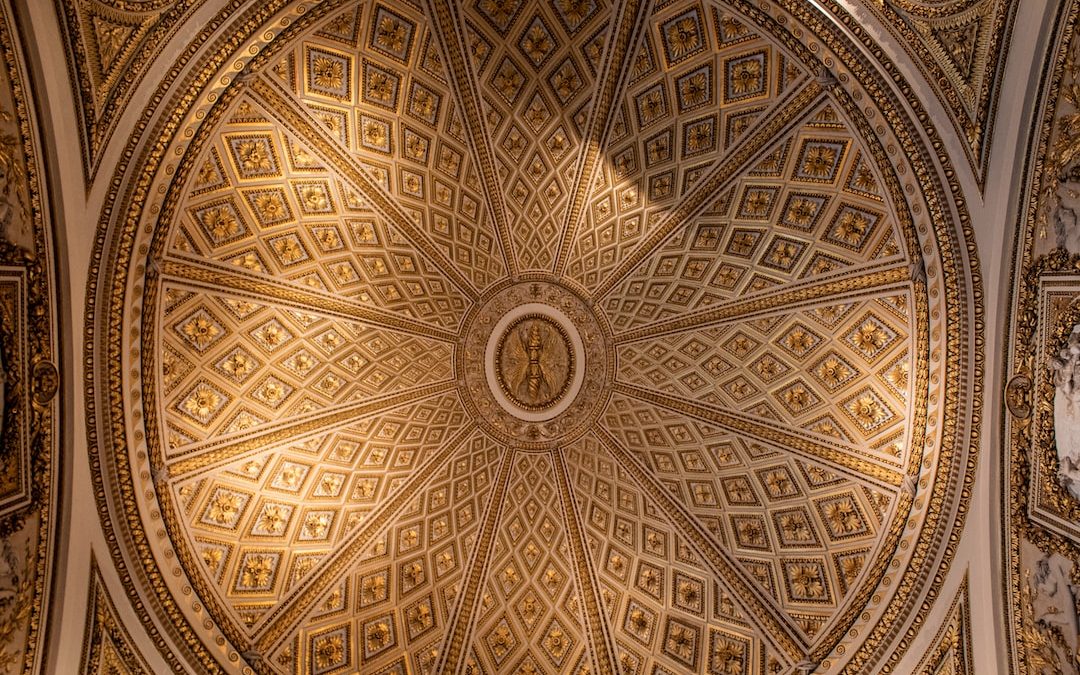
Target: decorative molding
(625, 38)
(951, 653)
(110, 46)
(108, 648)
(453, 655)
(961, 50)
(31, 453)
(597, 624)
(1039, 542)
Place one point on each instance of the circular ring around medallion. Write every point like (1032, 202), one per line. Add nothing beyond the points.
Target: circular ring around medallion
(534, 345)
(534, 364)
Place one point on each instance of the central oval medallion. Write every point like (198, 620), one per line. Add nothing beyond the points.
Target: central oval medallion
(534, 364)
(534, 361)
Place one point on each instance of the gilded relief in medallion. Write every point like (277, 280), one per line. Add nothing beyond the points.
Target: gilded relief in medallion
(534, 362)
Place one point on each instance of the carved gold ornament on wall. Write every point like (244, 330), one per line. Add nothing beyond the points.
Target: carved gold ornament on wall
(30, 460)
(960, 47)
(1042, 504)
(537, 337)
(1045, 506)
(951, 653)
(110, 47)
(107, 645)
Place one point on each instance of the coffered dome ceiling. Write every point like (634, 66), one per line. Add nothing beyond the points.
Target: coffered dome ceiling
(538, 337)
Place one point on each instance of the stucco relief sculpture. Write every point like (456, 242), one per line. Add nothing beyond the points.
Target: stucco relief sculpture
(1066, 372)
(1066, 214)
(15, 602)
(1061, 191)
(1053, 638)
(1053, 601)
(15, 223)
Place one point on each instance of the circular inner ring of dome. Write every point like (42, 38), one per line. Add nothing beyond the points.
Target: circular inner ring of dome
(569, 364)
(534, 362)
